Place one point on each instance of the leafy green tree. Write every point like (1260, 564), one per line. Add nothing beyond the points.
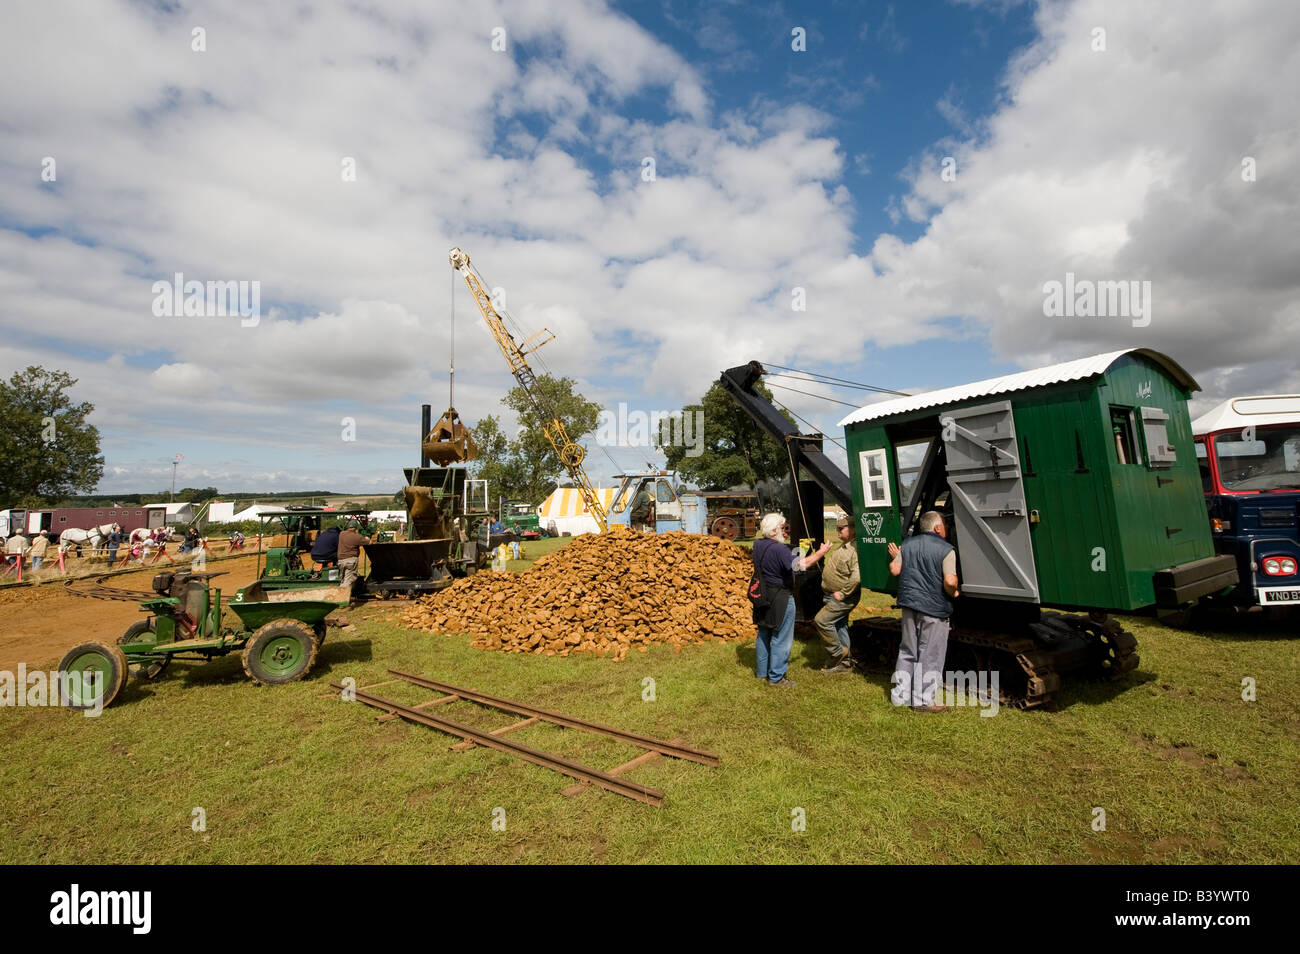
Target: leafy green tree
(734, 451)
(197, 495)
(47, 449)
(527, 468)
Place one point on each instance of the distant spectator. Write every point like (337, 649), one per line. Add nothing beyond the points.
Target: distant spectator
(114, 540)
(191, 540)
(15, 547)
(497, 526)
(39, 546)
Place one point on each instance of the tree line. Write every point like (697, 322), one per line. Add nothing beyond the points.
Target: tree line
(50, 452)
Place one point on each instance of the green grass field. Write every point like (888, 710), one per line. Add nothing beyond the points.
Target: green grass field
(1185, 770)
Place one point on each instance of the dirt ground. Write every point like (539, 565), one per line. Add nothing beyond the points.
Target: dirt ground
(38, 624)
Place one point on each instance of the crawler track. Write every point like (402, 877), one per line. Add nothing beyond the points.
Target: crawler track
(1030, 665)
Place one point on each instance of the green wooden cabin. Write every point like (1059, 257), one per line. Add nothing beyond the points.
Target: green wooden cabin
(1075, 485)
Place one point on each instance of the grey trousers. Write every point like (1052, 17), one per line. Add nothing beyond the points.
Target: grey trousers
(918, 674)
(349, 568)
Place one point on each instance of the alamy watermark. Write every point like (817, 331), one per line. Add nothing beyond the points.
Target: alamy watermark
(37, 689)
(194, 299)
(1084, 298)
(635, 428)
(126, 908)
(960, 688)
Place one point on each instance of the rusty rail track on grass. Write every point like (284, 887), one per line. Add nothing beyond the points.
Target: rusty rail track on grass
(570, 722)
(494, 739)
(98, 591)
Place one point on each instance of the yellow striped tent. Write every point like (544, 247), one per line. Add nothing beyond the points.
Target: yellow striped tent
(566, 510)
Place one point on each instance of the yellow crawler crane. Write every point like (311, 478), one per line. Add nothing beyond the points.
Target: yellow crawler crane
(571, 454)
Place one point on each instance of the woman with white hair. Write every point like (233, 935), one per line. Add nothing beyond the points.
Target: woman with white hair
(774, 565)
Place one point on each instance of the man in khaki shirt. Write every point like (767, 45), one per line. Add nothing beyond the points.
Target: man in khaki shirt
(39, 545)
(350, 543)
(15, 548)
(841, 590)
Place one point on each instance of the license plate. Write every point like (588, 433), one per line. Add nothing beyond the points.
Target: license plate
(1280, 596)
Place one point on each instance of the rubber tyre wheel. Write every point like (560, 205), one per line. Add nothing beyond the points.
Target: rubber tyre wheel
(149, 670)
(110, 661)
(284, 650)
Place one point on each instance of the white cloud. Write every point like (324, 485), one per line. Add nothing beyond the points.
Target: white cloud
(226, 165)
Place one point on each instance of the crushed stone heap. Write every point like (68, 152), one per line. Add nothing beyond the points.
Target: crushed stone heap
(602, 593)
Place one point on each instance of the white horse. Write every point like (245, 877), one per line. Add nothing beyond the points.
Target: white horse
(76, 538)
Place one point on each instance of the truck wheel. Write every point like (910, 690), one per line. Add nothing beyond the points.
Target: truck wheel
(107, 662)
(283, 650)
(149, 669)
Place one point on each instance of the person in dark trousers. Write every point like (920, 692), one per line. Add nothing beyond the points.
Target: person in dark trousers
(926, 567)
(325, 550)
(841, 590)
(642, 515)
(114, 541)
(774, 564)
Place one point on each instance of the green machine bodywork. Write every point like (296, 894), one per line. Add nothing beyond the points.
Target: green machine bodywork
(1079, 492)
(521, 517)
(279, 634)
(282, 567)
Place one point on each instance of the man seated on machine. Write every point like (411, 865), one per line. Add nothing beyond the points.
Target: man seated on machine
(325, 551)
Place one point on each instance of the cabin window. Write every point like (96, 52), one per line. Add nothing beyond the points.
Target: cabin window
(1203, 460)
(663, 492)
(911, 461)
(1121, 427)
(624, 496)
(1155, 434)
(875, 480)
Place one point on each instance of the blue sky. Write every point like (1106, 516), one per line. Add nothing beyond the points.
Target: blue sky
(210, 140)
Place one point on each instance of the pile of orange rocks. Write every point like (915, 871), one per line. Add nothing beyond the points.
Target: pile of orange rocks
(603, 593)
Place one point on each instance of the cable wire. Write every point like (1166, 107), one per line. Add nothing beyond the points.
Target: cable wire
(804, 420)
(823, 397)
(843, 381)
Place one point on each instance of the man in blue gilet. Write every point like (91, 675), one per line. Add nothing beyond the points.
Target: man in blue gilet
(926, 567)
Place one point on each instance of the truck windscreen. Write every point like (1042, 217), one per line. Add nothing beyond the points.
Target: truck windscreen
(1269, 461)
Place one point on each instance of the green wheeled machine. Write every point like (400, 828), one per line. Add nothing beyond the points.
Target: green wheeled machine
(279, 636)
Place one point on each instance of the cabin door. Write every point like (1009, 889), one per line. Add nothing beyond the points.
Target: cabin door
(994, 549)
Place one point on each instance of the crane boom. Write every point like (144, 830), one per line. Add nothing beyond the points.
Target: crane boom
(570, 453)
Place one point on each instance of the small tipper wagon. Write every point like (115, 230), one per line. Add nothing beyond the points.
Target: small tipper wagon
(279, 636)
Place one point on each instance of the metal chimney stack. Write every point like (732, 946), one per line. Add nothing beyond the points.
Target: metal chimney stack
(426, 425)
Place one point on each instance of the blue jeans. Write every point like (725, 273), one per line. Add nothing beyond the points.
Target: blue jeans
(773, 647)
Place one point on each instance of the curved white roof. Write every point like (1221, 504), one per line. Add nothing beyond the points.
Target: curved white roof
(1256, 409)
(1077, 370)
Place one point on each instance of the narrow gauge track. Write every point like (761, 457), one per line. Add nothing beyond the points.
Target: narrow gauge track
(585, 774)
